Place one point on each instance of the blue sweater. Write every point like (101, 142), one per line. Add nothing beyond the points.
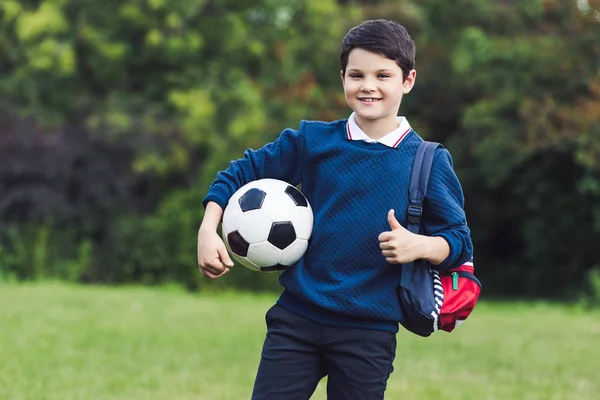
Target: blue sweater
(343, 279)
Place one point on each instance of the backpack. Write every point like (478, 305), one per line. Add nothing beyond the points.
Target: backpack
(432, 299)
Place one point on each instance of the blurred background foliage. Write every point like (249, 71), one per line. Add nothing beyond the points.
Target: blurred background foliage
(116, 115)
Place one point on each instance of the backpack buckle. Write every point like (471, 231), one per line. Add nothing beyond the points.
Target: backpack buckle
(414, 214)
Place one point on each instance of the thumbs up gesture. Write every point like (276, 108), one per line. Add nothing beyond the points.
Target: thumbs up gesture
(399, 245)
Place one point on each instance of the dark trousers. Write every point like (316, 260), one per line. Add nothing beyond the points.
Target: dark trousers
(298, 353)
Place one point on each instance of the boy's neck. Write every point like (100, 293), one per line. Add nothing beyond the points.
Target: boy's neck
(376, 129)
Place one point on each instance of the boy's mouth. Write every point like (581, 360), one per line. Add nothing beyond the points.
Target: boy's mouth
(369, 99)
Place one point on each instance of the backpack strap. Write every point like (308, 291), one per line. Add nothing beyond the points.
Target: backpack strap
(417, 190)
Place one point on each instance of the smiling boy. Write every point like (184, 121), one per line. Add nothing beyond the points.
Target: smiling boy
(338, 314)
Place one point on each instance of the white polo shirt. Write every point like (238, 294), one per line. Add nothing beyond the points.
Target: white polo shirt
(391, 139)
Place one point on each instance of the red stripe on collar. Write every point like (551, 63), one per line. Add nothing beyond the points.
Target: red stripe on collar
(401, 137)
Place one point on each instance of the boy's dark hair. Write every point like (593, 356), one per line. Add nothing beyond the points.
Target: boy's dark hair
(383, 37)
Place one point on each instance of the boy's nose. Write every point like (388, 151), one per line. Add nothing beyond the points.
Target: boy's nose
(367, 88)
(368, 84)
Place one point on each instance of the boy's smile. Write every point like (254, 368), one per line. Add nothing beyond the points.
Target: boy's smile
(368, 99)
(374, 86)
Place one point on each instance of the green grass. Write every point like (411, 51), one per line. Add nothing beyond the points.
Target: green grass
(60, 341)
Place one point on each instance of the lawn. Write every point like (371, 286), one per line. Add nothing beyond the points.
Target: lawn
(60, 341)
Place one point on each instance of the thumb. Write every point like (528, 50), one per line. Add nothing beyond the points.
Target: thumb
(394, 224)
(224, 255)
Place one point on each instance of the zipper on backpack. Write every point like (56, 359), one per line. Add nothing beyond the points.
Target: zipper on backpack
(462, 274)
(455, 280)
(468, 275)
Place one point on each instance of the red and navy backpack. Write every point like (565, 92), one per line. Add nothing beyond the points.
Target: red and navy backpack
(432, 299)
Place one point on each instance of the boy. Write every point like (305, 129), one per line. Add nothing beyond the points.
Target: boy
(338, 314)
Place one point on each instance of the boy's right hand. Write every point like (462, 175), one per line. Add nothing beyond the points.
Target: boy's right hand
(213, 258)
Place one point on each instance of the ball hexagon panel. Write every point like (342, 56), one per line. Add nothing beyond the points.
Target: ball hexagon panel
(264, 254)
(279, 206)
(252, 199)
(231, 217)
(254, 226)
(303, 220)
(293, 252)
(282, 234)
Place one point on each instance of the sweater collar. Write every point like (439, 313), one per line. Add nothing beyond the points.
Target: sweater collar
(392, 139)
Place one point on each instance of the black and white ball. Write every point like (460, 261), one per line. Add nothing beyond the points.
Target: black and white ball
(267, 224)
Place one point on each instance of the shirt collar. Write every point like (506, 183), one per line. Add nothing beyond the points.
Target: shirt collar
(391, 139)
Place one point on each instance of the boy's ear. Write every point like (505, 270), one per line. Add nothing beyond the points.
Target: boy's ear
(342, 76)
(409, 81)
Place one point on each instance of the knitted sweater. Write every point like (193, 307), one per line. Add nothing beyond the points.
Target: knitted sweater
(343, 279)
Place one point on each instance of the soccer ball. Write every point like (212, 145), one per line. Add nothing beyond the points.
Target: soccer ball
(267, 224)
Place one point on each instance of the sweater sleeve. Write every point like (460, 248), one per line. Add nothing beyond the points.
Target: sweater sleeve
(280, 159)
(443, 211)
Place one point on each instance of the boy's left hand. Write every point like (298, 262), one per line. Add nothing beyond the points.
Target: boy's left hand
(399, 245)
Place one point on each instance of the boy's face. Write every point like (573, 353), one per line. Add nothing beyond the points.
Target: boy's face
(374, 87)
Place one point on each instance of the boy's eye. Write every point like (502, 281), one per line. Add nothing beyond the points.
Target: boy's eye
(384, 76)
(355, 76)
